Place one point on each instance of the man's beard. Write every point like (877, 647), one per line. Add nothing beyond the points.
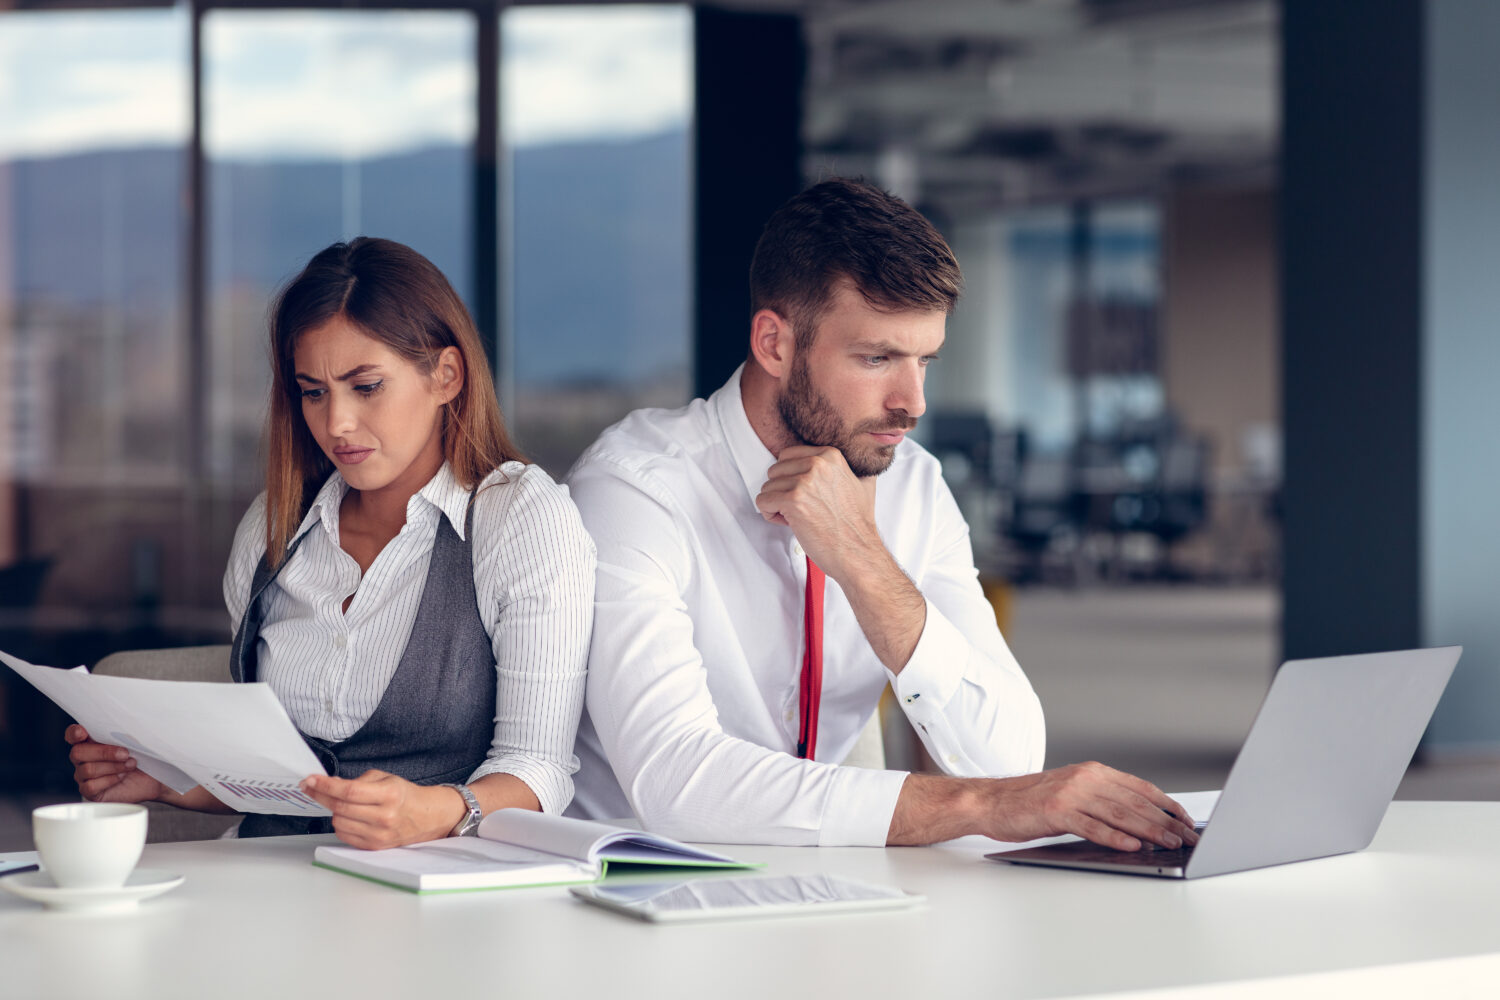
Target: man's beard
(812, 420)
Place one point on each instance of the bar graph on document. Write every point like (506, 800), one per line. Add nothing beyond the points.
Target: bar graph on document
(259, 795)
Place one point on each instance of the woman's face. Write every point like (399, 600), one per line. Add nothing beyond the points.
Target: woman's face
(375, 415)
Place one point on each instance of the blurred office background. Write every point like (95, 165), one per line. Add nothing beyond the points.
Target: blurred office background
(1218, 391)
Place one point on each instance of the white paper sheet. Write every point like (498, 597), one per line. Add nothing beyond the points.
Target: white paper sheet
(233, 739)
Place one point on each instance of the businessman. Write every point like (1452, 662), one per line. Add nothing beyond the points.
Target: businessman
(771, 557)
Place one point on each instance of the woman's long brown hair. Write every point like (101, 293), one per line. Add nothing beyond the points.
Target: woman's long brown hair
(396, 296)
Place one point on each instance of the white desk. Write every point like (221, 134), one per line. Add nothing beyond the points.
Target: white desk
(255, 919)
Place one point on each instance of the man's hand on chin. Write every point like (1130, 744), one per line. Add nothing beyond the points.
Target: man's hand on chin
(830, 509)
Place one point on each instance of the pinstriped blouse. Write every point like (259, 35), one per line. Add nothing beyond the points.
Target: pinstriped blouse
(534, 581)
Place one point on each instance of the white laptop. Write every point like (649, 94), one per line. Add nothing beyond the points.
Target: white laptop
(1321, 764)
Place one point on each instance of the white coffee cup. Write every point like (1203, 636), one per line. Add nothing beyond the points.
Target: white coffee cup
(89, 845)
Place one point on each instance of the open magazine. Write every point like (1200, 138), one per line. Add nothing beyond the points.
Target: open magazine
(516, 848)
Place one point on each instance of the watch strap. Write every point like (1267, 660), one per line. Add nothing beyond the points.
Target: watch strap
(469, 824)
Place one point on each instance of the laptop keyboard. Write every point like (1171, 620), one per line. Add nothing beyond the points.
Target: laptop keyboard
(1161, 857)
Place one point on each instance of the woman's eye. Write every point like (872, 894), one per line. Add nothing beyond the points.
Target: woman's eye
(313, 394)
(368, 388)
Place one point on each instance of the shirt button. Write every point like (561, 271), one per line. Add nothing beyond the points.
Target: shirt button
(953, 758)
(328, 705)
(341, 640)
(791, 715)
(797, 550)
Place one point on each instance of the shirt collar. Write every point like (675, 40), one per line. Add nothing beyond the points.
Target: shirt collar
(751, 457)
(445, 493)
(324, 509)
(442, 492)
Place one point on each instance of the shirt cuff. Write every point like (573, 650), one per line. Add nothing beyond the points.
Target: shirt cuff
(552, 786)
(929, 680)
(860, 808)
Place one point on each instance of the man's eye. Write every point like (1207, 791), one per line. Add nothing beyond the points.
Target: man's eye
(874, 360)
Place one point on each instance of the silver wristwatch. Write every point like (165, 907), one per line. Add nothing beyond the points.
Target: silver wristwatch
(469, 825)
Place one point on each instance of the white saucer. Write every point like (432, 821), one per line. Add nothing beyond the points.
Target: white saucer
(143, 883)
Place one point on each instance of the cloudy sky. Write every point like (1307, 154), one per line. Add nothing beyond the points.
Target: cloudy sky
(336, 84)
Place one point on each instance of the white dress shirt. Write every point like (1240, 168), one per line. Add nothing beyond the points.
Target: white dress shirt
(533, 580)
(698, 642)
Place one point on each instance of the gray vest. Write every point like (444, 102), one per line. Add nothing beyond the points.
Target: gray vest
(436, 721)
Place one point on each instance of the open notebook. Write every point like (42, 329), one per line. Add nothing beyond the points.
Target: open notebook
(516, 848)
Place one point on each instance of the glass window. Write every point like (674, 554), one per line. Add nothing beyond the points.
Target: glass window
(94, 122)
(596, 112)
(321, 126)
(1085, 356)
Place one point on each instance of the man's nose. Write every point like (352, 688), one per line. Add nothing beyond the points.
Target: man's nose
(908, 393)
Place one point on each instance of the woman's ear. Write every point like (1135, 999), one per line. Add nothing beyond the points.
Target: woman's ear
(448, 375)
(772, 343)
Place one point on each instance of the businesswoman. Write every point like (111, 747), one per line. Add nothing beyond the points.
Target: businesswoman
(419, 598)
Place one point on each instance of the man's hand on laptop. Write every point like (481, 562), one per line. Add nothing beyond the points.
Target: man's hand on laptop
(1089, 800)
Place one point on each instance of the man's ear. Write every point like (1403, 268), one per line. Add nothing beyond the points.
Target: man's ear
(448, 375)
(772, 342)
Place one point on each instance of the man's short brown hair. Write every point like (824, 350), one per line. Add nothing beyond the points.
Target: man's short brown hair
(845, 229)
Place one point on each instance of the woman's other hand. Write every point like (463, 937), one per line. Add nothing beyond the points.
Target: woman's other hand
(107, 773)
(379, 809)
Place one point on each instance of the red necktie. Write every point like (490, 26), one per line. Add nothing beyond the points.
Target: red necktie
(811, 693)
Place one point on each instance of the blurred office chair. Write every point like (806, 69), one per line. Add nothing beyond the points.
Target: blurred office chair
(188, 663)
(1043, 511)
(967, 435)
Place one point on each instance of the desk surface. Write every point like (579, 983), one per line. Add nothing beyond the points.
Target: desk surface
(254, 918)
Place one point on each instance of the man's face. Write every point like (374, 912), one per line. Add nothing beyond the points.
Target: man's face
(858, 386)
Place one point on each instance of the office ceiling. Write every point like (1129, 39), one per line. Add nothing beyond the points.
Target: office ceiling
(967, 103)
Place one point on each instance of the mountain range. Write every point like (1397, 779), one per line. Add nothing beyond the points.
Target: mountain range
(600, 285)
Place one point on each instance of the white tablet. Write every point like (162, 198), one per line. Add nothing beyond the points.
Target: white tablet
(757, 896)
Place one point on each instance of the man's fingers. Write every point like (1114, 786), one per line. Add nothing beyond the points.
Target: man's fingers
(1138, 826)
(1159, 798)
(1089, 828)
(1128, 805)
(1149, 820)
(791, 468)
(803, 451)
(75, 733)
(1173, 816)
